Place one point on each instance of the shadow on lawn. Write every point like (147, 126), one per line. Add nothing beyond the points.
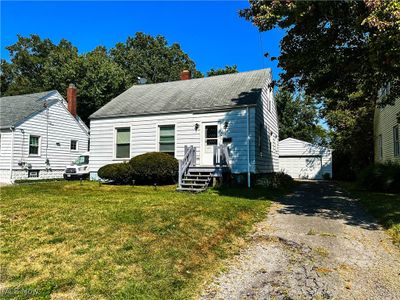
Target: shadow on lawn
(250, 194)
(323, 199)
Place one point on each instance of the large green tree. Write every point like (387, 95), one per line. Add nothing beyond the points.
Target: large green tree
(100, 80)
(299, 118)
(38, 64)
(341, 53)
(152, 58)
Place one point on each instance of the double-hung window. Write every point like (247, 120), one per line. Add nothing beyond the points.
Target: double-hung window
(34, 144)
(122, 142)
(167, 139)
(74, 145)
(396, 141)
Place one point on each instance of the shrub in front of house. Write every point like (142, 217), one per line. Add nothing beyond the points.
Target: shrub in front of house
(326, 176)
(278, 180)
(381, 177)
(119, 173)
(154, 168)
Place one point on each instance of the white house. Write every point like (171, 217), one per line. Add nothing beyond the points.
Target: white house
(39, 136)
(228, 120)
(304, 160)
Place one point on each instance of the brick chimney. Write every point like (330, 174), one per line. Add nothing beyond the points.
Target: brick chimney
(71, 98)
(185, 75)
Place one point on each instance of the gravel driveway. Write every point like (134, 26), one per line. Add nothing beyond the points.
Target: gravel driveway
(315, 244)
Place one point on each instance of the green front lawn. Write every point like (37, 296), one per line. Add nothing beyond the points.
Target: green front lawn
(71, 241)
(384, 207)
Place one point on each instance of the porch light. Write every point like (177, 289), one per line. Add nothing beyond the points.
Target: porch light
(196, 126)
(226, 124)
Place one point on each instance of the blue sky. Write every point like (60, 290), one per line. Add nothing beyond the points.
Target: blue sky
(212, 33)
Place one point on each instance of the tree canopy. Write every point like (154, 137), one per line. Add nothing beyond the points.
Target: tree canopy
(299, 118)
(226, 70)
(341, 53)
(38, 64)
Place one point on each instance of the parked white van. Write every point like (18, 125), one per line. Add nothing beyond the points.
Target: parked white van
(79, 168)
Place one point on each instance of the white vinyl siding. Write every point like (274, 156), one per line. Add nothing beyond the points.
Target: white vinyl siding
(267, 132)
(145, 136)
(385, 121)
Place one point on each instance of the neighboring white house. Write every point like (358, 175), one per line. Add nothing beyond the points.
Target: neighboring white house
(387, 133)
(39, 136)
(235, 110)
(304, 160)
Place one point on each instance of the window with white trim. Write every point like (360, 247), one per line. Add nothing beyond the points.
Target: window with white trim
(167, 139)
(34, 144)
(74, 145)
(396, 141)
(122, 142)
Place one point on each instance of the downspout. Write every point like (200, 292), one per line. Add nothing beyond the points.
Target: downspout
(47, 163)
(12, 129)
(248, 148)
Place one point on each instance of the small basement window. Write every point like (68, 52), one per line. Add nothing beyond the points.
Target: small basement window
(33, 173)
(74, 145)
(34, 142)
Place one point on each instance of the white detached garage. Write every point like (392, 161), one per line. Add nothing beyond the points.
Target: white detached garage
(304, 160)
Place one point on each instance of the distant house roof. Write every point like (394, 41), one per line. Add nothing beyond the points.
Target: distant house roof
(16, 109)
(292, 146)
(202, 94)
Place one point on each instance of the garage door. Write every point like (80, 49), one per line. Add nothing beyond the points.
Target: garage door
(305, 167)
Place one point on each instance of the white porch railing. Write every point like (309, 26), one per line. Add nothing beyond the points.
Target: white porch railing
(189, 160)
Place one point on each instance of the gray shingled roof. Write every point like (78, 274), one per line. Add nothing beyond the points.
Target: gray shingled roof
(224, 91)
(16, 109)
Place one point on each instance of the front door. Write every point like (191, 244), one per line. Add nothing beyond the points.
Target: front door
(209, 140)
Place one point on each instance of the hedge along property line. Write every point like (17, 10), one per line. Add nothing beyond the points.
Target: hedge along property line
(381, 178)
(147, 169)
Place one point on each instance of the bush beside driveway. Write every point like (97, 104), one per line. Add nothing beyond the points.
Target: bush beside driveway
(385, 207)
